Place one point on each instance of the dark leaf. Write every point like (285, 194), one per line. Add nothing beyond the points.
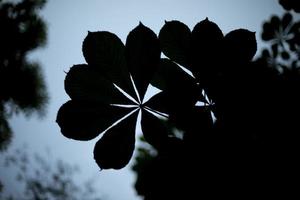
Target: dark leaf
(286, 4)
(194, 119)
(105, 52)
(286, 20)
(85, 120)
(268, 32)
(159, 102)
(154, 130)
(85, 83)
(115, 148)
(143, 55)
(275, 22)
(169, 76)
(175, 39)
(290, 4)
(206, 47)
(240, 45)
(180, 86)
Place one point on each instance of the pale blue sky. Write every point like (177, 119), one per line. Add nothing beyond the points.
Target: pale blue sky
(68, 22)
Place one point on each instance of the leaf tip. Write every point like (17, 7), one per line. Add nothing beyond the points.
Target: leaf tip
(140, 23)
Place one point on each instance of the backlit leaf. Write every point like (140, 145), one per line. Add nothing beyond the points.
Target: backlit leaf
(85, 120)
(114, 150)
(240, 45)
(143, 55)
(85, 83)
(206, 50)
(175, 39)
(154, 130)
(105, 52)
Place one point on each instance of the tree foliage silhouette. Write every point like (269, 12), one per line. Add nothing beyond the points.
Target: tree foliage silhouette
(236, 137)
(39, 178)
(252, 150)
(94, 93)
(22, 87)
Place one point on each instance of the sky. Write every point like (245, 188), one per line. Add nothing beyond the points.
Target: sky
(68, 24)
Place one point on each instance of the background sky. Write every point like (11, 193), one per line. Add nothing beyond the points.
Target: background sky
(68, 23)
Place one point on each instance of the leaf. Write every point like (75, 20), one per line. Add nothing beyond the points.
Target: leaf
(159, 102)
(196, 120)
(105, 52)
(142, 54)
(114, 150)
(177, 84)
(175, 39)
(287, 19)
(206, 50)
(240, 45)
(85, 83)
(268, 32)
(154, 130)
(80, 120)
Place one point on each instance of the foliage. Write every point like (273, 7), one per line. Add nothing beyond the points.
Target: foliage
(22, 87)
(259, 159)
(43, 180)
(95, 96)
(238, 136)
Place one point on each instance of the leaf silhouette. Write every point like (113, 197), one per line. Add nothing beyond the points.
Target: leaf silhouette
(82, 120)
(175, 39)
(84, 83)
(92, 87)
(167, 76)
(290, 5)
(206, 45)
(154, 130)
(115, 148)
(240, 45)
(105, 52)
(142, 54)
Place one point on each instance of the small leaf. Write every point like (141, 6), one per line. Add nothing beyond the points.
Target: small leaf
(114, 150)
(154, 130)
(85, 83)
(286, 20)
(240, 45)
(105, 52)
(142, 54)
(268, 32)
(85, 120)
(175, 39)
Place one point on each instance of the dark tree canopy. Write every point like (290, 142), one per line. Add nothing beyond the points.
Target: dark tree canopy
(22, 87)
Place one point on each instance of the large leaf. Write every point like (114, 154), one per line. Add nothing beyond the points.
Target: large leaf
(85, 83)
(240, 45)
(154, 130)
(175, 39)
(105, 52)
(114, 150)
(169, 76)
(142, 54)
(85, 120)
(206, 46)
(178, 87)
